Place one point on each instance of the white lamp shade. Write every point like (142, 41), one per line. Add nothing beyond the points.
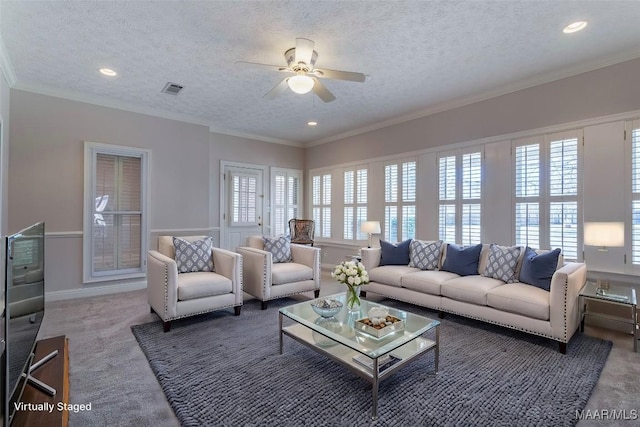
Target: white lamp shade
(370, 227)
(604, 234)
(300, 83)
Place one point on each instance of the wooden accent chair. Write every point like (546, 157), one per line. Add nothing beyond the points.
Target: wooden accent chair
(302, 231)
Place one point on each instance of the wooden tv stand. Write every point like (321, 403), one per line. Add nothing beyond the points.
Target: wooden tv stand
(54, 373)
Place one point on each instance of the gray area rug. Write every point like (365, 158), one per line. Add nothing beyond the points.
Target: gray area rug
(222, 370)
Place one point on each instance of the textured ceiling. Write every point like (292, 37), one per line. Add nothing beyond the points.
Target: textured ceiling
(419, 56)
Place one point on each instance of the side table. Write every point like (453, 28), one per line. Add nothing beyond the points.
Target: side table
(615, 294)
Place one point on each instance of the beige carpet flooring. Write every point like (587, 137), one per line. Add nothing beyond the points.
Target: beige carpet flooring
(109, 370)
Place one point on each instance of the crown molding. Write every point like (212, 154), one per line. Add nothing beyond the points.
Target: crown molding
(255, 137)
(504, 90)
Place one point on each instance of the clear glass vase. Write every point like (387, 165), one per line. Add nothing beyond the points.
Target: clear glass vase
(353, 298)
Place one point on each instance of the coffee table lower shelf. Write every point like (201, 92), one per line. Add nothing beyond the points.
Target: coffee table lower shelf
(344, 355)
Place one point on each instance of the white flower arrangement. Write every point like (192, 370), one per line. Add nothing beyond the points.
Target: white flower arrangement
(352, 274)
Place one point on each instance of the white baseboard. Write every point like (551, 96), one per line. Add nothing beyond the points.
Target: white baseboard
(94, 291)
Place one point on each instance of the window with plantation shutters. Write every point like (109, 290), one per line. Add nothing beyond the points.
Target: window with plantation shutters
(459, 197)
(285, 194)
(400, 201)
(355, 203)
(321, 204)
(115, 212)
(635, 192)
(546, 207)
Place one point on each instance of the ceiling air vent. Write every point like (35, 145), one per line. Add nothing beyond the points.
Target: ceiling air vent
(172, 88)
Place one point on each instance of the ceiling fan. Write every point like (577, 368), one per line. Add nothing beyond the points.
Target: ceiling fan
(301, 62)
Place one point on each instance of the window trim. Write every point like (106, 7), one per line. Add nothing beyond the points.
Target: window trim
(91, 150)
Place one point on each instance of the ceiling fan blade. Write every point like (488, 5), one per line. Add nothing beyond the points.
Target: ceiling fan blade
(304, 50)
(277, 90)
(339, 75)
(268, 66)
(322, 92)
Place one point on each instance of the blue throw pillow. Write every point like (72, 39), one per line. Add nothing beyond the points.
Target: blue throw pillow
(537, 270)
(397, 254)
(462, 260)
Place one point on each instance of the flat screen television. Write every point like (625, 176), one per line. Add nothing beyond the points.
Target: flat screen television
(24, 311)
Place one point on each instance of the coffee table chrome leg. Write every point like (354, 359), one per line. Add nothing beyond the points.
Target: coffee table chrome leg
(437, 350)
(635, 328)
(374, 390)
(280, 326)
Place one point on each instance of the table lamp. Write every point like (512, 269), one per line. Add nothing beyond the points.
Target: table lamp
(603, 235)
(371, 228)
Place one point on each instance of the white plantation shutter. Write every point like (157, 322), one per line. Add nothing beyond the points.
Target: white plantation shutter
(547, 208)
(285, 195)
(321, 204)
(527, 189)
(115, 218)
(244, 189)
(355, 203)
(563, 191)
(459, 194)
(400, 199)
(635, 192)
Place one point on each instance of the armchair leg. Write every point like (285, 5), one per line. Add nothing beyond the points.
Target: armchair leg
(236, 309)
(316, 293)
(166, 326)
(264, 305)
(562, 347)
(150, 309)
(363, 294)
(441, 314)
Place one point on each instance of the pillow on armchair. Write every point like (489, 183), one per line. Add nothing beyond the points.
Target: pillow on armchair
(280, 248)
(195, 256)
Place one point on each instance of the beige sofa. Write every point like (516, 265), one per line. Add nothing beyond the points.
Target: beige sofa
(552, 314)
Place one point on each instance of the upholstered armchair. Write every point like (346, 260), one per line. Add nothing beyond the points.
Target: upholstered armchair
(173, 294)
(267, 280)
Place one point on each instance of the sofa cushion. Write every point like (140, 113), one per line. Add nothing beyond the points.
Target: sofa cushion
(193, 256)
(280, 248)
(471, 289)
(425, 255)
(394, 254)
(288, 272)
(502, 263)
(426, 281)
(202, 284)
(462, 260)
(520, 298)
(538, 269)
(390, 274)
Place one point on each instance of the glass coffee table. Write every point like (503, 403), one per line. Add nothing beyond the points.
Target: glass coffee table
(369, 357)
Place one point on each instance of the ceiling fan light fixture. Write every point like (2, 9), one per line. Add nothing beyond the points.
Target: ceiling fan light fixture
(300, 83)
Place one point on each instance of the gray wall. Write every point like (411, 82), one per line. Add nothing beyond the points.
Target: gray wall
(47, 172)
(602, 92)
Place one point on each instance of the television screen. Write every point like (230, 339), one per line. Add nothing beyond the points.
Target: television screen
(24, 307)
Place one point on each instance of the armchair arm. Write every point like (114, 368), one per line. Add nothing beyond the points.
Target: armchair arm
(256, 271)
(162, 283)
(229, 265)
(309, 256)
(566, 284)
(370, 257)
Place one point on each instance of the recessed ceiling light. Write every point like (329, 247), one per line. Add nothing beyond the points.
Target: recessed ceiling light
(312, 123)
(107, 72)
(575, 27)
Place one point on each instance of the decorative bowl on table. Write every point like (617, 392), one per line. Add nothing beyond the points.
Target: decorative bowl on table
(326, 307)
